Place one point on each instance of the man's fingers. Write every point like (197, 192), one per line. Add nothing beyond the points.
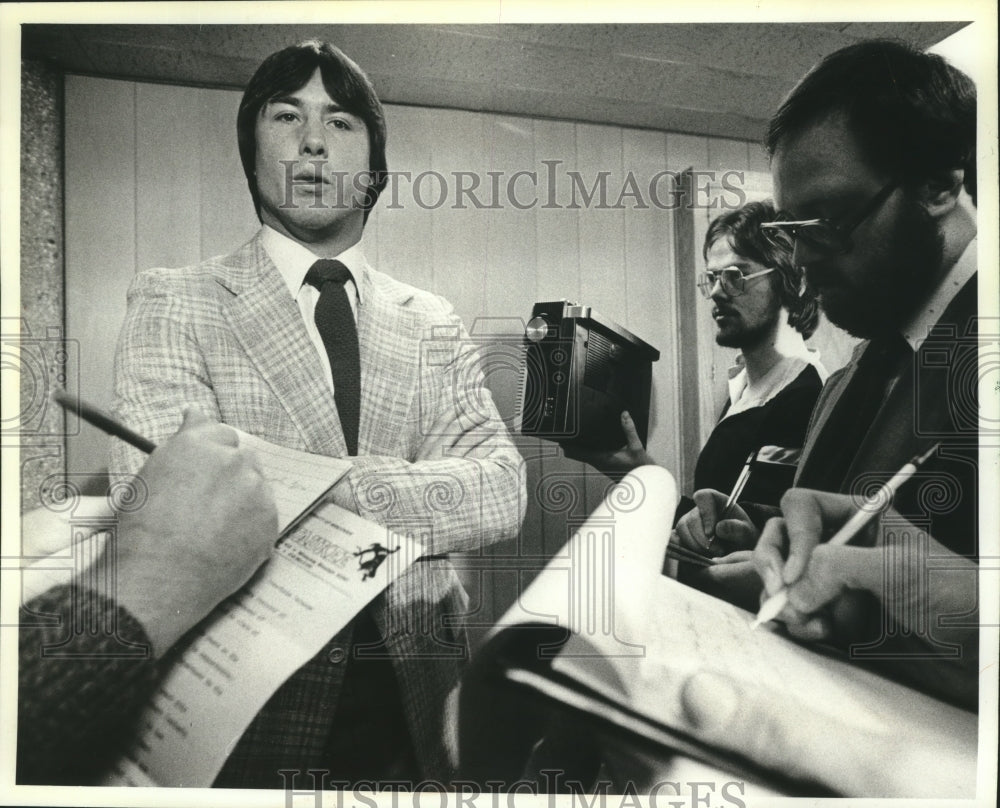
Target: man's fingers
(735, 557)
(806, 512)
(737, 532)
(708, 504)
(193, 417)
(769, 555)
(632, 441)
(815, 628)
(834, 569)
(690, 534)
(208, 429)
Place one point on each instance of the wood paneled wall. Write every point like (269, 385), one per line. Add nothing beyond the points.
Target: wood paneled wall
(153, 178)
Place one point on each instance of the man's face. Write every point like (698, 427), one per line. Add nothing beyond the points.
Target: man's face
(745, 320)
(312, 159)
(896, 252)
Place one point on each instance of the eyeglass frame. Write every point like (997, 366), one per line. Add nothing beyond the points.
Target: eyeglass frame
(841, 231)
(709, 277)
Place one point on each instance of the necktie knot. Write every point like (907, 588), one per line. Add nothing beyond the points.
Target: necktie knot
(326, 270)
(885, 350)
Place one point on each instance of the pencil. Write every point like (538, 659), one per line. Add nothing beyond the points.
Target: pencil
(680, 553)
(870, 508)
(103, 421)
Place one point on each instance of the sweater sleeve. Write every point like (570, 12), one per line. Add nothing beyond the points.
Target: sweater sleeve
(85, 670)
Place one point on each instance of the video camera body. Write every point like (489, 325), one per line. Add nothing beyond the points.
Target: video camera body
(581, 370)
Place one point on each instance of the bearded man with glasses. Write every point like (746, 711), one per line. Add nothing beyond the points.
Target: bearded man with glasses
(760, 306)
(873, 156)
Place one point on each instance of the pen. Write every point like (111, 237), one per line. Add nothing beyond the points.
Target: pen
(870, 508)
(100, 419)
(741, 483)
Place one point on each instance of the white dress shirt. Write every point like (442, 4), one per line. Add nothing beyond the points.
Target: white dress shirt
(745, 396)
(915, 331)
(293, 261)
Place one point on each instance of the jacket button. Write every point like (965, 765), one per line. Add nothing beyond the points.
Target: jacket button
(336, 655)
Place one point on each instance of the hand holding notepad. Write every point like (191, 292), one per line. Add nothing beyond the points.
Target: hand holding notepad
(772, 711)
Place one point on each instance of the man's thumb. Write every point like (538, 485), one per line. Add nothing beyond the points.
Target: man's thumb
(194, 417)
(631, 435)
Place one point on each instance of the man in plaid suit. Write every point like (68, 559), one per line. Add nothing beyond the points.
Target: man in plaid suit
(235, 337)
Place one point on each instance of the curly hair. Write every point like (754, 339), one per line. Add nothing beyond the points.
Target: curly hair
(743, 227)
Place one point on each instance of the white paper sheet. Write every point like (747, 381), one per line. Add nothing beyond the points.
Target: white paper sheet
(298, 481)
(638, 635)
(595, 584)
(247, 648)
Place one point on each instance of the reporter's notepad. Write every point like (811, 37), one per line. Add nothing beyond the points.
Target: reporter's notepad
(638, 636)
(298, 479)
(298, 482)
(241, 654)
(689, 631)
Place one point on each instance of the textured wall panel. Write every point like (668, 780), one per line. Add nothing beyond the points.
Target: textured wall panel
(41, 329)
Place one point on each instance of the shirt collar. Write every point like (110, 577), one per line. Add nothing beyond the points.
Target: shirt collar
(776, 379)
(293, 259)
(915, 330)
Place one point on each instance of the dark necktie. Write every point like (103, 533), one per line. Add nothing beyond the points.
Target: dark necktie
(853, 415)
(335, 322)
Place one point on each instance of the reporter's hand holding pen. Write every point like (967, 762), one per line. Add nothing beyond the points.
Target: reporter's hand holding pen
(809, 518)
(716, 516)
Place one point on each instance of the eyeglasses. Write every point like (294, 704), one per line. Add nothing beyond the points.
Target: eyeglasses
(732, 279)
(824, 235)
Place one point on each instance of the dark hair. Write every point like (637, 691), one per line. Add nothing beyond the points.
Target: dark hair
(913, 113)
(289, 70)
(742, 226)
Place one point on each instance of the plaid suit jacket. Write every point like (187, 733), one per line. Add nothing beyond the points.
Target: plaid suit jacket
(226, 337)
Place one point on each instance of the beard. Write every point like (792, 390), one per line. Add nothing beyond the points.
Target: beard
(744, 336)
(735, 332)
(895, 281)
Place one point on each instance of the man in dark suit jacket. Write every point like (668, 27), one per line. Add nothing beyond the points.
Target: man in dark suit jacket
(873, 157)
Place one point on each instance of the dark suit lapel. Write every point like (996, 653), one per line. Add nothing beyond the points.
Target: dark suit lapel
(829, 398)
(917, 410)
(266, 321)
(891, 441)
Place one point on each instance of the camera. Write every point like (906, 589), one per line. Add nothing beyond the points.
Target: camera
(581, 370)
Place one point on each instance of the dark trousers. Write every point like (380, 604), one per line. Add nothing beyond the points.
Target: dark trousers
(370, 739)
